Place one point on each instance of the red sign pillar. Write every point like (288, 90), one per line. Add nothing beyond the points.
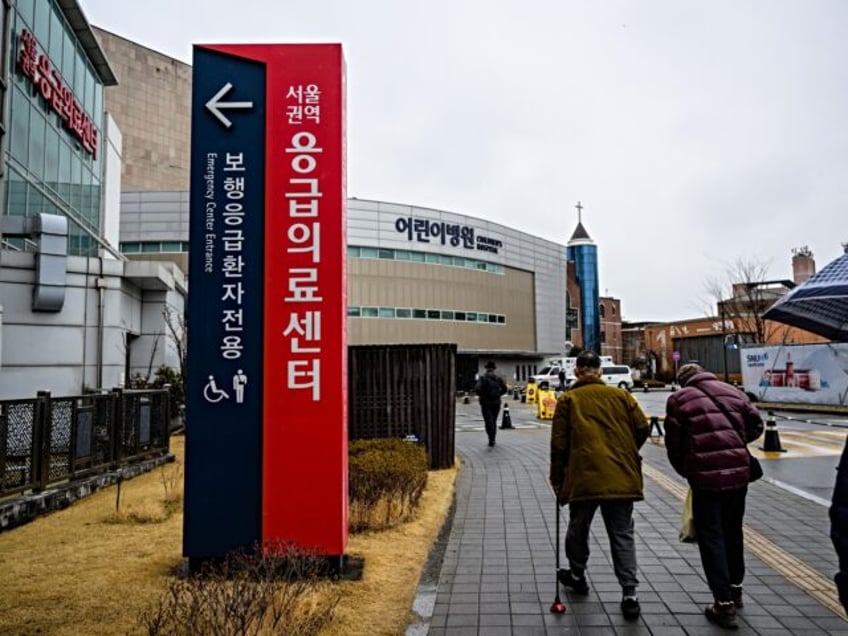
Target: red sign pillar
(304, 412)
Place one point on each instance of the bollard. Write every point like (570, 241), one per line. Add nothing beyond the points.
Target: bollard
(515, 394)
(772, 440)
(465, 399)
(506, 420)
(645, 388)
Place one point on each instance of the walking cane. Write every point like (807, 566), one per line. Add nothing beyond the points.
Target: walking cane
(557, 607)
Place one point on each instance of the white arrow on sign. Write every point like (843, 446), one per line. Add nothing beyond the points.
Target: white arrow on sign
(215, 105)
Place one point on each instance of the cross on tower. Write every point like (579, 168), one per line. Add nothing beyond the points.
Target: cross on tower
(579, 207)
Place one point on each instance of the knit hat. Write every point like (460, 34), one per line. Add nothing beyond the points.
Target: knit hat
(685, 373)
(490, 364)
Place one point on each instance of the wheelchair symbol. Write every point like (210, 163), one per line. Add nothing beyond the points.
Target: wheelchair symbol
(212, 393)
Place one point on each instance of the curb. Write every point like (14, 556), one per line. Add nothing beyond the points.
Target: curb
(424, 600)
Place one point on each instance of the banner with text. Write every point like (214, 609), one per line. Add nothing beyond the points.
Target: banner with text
(267, 403)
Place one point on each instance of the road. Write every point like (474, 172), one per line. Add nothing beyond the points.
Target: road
(812, 442)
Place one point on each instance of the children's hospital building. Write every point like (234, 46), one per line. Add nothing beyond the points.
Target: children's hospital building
(94, 231)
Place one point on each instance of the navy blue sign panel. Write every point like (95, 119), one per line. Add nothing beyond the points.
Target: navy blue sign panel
(223, 473)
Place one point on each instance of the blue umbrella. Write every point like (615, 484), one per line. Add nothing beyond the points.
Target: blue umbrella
(819, 304)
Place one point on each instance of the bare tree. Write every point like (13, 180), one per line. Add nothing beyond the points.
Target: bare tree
(176, 325)
(743, 294)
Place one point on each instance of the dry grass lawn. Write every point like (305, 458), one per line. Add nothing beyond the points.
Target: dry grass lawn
(86, 570)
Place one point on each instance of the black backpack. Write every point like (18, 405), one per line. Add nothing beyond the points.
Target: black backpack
(490, 388)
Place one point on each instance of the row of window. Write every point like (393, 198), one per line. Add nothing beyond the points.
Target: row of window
(136, 247)
(354, 251)
(49, 170)
(45, 148)
(149, 247)
(56, 38)
(426, 314)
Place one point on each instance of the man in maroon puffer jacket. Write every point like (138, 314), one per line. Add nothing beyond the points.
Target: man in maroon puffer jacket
(708, 424)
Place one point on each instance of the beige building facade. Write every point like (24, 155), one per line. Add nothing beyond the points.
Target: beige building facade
(152, 105)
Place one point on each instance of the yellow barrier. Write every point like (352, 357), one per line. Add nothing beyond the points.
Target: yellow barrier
(530, 392)
(547, 405)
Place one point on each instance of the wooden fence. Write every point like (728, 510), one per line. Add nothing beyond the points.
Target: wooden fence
(404, 391)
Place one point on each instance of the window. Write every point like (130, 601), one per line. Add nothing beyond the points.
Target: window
(403, 312)
(601, 309)
(386, 312)
(433, 314)
(419, 313)
(369, 312)
(354, 312)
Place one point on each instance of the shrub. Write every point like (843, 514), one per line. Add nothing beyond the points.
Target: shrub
(176, 391)
(386, 480)
(278, 589)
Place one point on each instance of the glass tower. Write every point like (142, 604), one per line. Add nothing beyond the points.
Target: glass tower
(583, 252)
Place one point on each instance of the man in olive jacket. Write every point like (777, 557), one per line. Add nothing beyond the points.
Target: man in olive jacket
(595, 440)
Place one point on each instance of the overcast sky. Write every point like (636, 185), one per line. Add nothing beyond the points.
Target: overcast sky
(693, 133)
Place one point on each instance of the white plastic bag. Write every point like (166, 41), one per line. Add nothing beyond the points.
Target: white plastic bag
(687, 521)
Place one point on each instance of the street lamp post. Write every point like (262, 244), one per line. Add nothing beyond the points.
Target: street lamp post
(731, 341)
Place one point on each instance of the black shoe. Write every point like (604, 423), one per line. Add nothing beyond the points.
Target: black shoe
(577, 585)
(722, 614)
(630, 608)
(736, 594)
(491, 442)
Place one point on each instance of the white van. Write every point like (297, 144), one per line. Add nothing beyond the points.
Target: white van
(617, 375)
(550, 374)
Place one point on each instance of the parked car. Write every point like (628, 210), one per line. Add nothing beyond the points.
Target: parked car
(618, 375)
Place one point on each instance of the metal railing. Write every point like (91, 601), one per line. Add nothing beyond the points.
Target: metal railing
(47, 440)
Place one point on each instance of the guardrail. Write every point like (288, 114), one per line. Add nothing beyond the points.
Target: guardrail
(47, 440)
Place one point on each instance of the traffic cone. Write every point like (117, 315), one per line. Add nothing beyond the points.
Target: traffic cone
(772, 439)
(506, 420)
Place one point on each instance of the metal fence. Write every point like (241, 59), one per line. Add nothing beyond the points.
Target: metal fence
(46, 440)
(404, 390)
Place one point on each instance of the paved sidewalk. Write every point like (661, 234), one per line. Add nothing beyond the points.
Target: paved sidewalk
(498, 571)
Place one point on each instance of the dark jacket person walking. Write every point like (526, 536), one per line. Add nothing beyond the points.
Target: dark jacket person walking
(490, 387)
(708, 425)
(839, 525)
(597, 431)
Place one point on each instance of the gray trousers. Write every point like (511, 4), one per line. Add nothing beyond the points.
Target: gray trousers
(618, 519)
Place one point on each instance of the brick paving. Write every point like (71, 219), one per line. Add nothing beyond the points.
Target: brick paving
(497, 573)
